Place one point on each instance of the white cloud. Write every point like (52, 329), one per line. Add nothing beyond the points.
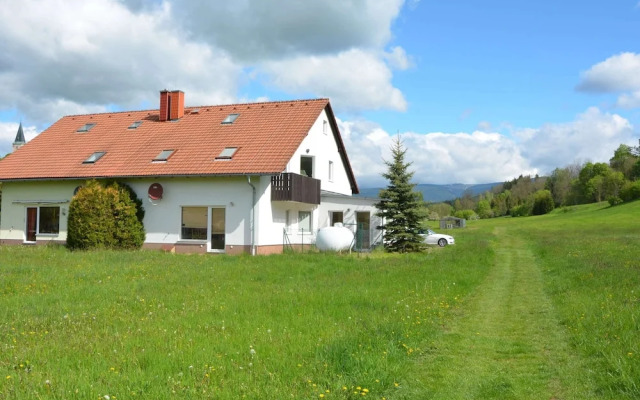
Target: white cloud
(477, 157)
(398, 59)
(258, 30)
(8, 131)
(619, 73)
(354, 79)
(593, 135)
(64, 57)
(60, 57)
(484, 156)
(630, 100)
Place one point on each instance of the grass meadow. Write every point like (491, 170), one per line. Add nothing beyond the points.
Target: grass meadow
(591, 262)
(152, 325)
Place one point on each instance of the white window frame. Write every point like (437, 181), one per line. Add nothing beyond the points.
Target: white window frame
(300, 218)
(209, 217)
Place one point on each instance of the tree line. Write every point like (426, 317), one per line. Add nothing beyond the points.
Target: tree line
(617, 181)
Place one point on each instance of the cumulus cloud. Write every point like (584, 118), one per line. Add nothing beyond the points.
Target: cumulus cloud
(62, 57)
(629, 100)
(257, 30)
(592, 135)
(8, 131)
(619, 73)
(484, 156)
(354, 79)
(436, 157)
(88, 55)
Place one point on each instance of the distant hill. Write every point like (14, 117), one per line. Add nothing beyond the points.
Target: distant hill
(437, 193)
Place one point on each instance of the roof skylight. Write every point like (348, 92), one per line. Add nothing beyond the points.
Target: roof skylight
(86, 127)
(135, 125)
(230, 119)
(94, 157)
(163, 156)
(227, 153)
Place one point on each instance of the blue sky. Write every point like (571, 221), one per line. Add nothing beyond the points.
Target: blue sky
(504, 61)
(478, 91)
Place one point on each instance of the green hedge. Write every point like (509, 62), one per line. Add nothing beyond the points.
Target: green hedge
(104, 216)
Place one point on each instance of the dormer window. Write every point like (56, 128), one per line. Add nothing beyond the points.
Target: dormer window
(230, 119)
(227, 153)
(94, 157)
(163, 156)
(86, 127)
(135, 125)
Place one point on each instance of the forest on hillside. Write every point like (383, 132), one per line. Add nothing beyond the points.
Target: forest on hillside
(579, 183)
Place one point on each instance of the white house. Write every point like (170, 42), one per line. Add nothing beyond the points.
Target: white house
(229, 178)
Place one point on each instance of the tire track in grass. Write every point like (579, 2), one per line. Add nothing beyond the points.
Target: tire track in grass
(507, 343)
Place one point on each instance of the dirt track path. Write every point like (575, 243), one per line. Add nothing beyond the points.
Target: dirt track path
(507, 344)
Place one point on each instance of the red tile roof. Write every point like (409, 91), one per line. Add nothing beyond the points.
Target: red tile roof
(266, 135)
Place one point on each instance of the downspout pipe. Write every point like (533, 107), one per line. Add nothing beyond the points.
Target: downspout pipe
(253, 216)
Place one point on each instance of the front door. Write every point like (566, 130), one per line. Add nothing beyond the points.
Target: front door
(363, 234)
(217, 229)
(32, 223)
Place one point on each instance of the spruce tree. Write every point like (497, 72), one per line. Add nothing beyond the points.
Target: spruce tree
(399, 205)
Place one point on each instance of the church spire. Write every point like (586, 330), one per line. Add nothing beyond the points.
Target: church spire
(19, 142)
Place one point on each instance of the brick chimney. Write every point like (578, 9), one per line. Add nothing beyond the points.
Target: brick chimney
(171, 105)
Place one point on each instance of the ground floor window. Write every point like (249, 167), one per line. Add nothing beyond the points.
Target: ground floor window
(42, 220)
(337, 217)
(304, 221)
(204, 223)
(194, 223)
(49, 220)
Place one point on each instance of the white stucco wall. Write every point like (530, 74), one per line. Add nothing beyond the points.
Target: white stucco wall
(323, 148)
(162, 217)
(349, 206)
(17, 196)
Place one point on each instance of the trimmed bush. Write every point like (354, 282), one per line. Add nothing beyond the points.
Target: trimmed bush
(104, 217)
(542, 202)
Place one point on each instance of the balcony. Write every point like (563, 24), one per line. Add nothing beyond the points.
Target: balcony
(294, 187)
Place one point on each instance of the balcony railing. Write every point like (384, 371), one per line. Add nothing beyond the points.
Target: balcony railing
(294, 187)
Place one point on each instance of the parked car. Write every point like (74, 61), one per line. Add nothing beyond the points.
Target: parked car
(432, 238)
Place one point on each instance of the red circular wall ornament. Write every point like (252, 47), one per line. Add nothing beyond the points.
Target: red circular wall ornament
(155, 191)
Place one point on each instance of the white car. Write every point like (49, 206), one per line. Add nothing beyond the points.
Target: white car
(430, 237)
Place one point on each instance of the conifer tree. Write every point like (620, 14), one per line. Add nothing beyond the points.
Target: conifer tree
(399, 205)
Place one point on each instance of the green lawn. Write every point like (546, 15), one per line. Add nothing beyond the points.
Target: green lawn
(539, 307)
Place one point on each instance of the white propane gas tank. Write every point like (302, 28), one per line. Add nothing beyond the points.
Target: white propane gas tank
(334, 238)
